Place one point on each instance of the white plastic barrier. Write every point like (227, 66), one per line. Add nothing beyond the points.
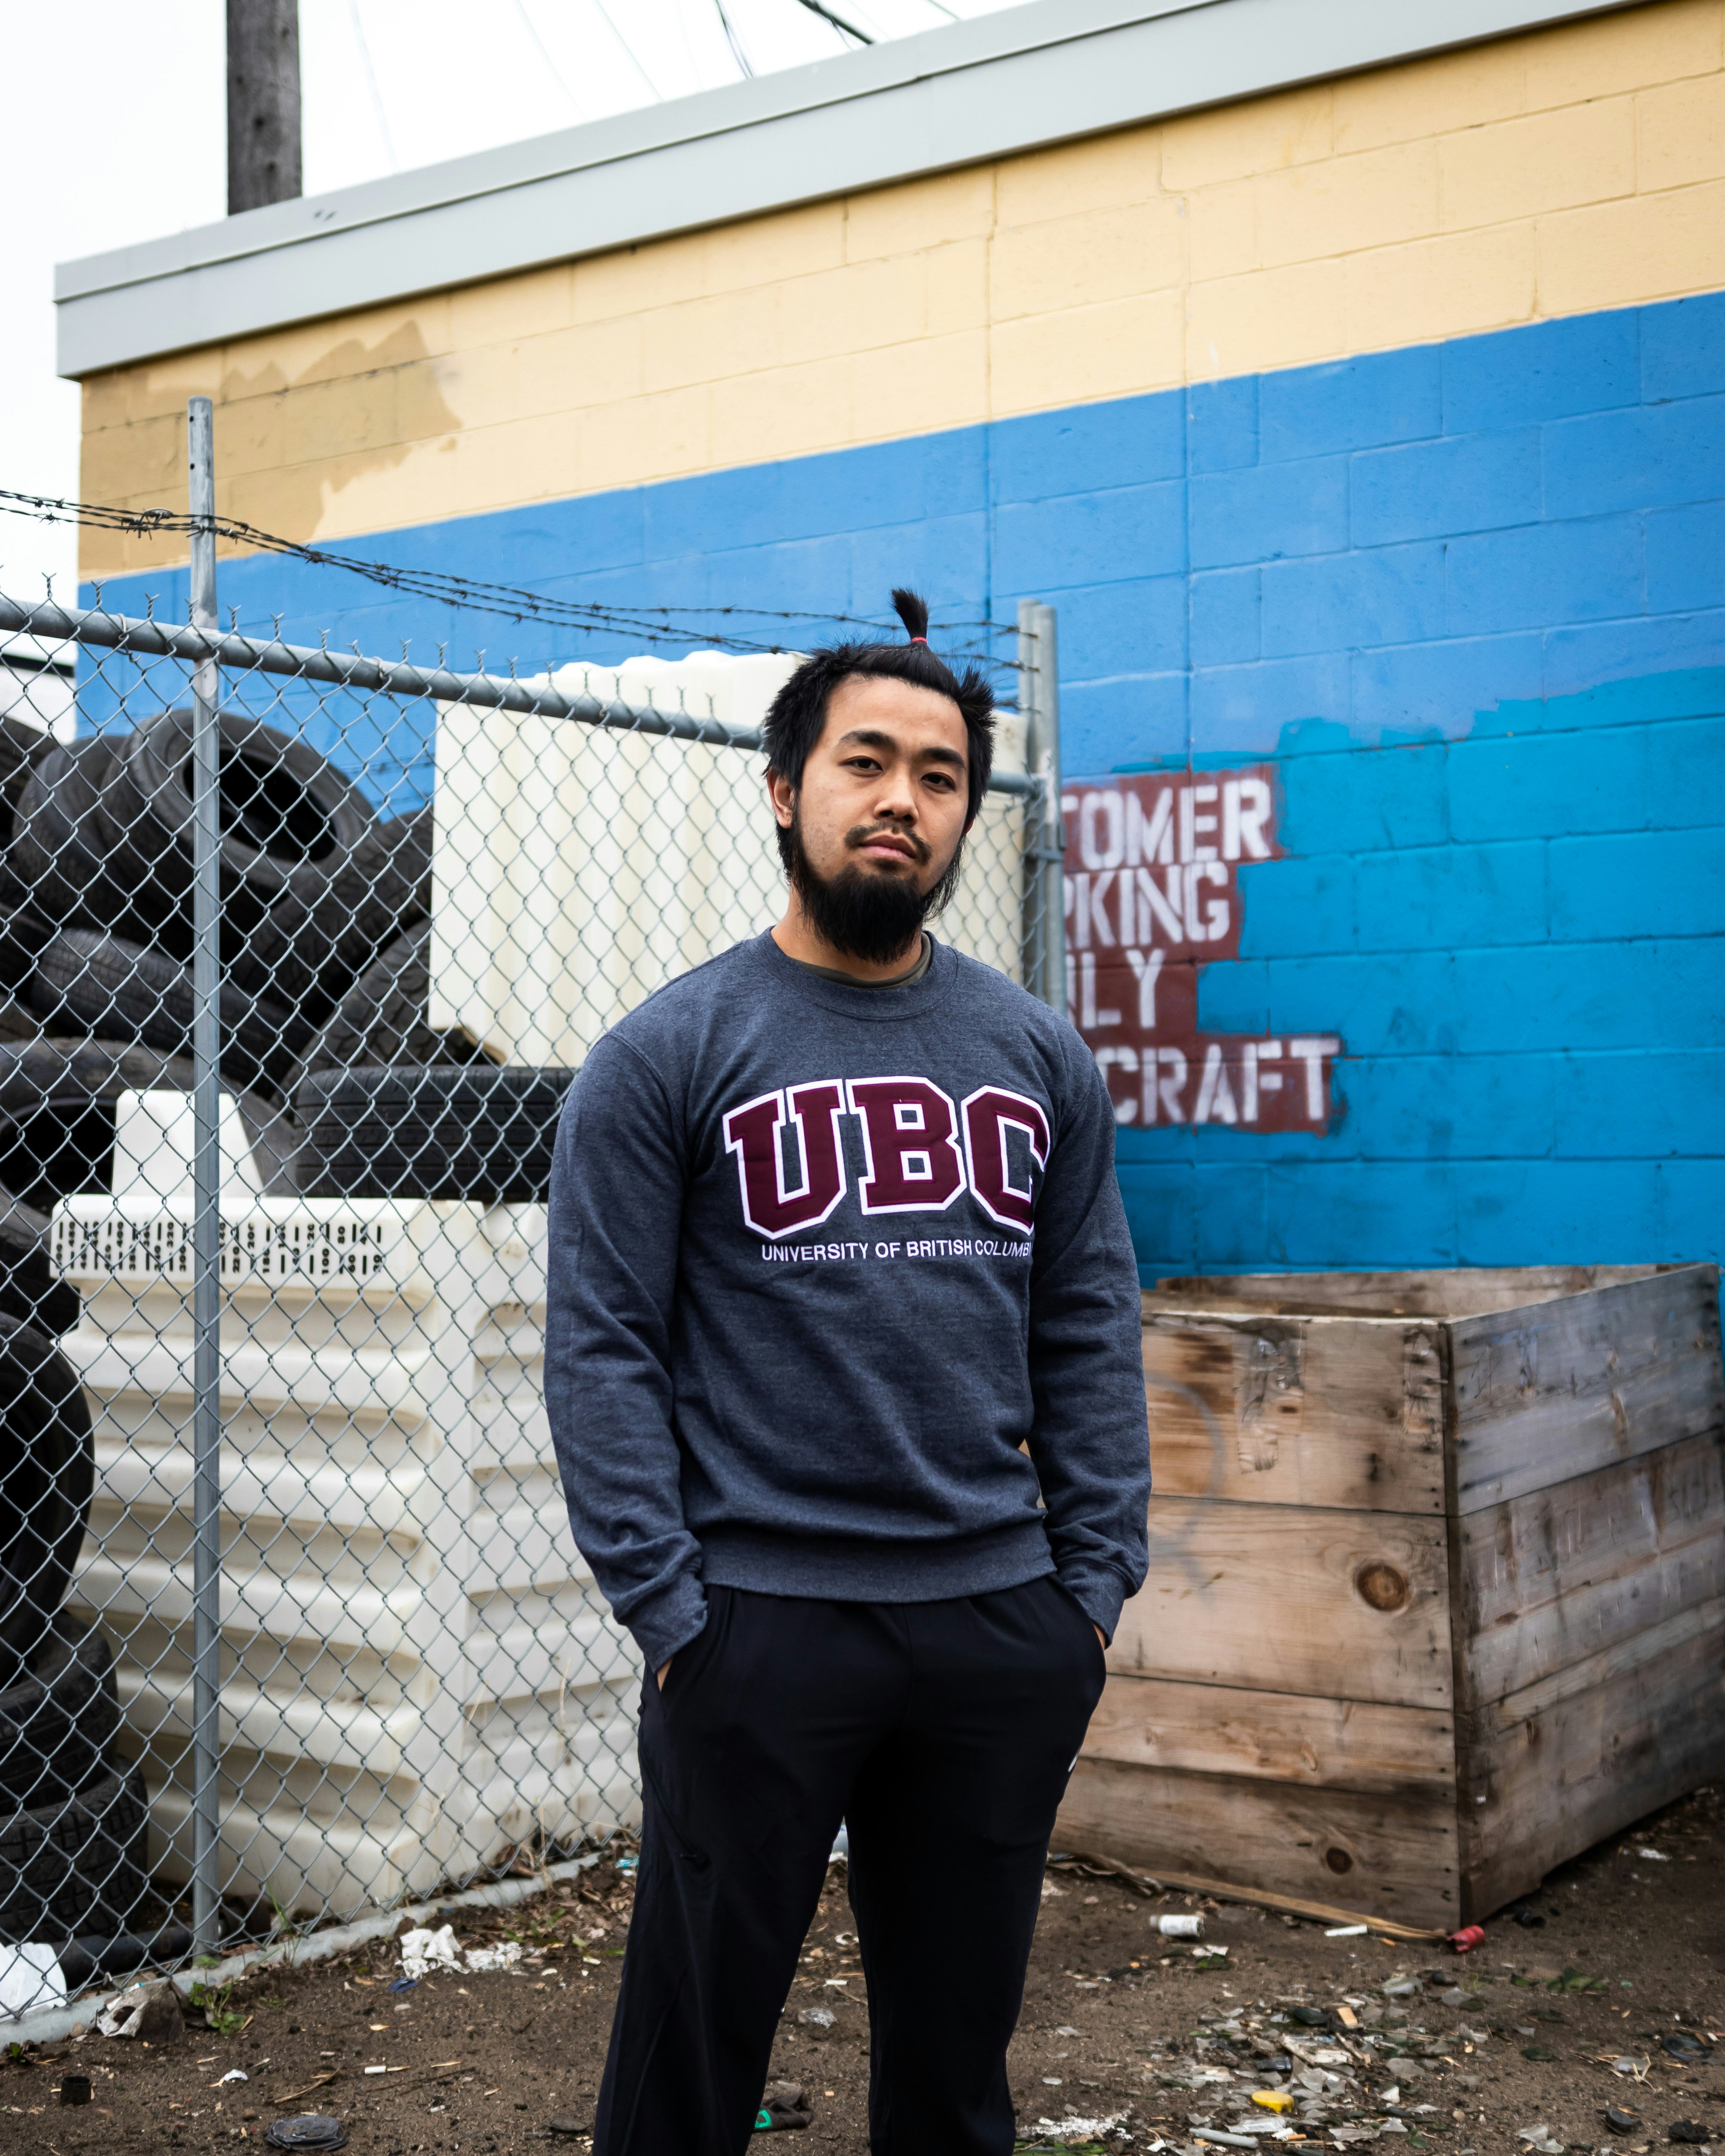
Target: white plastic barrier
(417, 1672)
(576, 869)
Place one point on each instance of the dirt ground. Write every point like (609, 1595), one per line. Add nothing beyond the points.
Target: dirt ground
(1123, 2036)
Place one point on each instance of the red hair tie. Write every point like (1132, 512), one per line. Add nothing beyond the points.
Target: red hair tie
(919, 639)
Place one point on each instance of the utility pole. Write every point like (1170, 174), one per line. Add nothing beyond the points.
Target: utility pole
(262, 103)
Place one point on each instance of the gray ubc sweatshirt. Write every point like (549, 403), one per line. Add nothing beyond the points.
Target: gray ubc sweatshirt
(822, 1259)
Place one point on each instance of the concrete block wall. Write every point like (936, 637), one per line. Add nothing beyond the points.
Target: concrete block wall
(1577, 169)
(1430, 524)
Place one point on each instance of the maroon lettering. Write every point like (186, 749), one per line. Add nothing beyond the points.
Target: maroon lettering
(910, 1143)
(1154, 893)
(755, 1132)
(988, 1114)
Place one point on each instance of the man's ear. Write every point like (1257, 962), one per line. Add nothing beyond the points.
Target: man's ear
(783, 795)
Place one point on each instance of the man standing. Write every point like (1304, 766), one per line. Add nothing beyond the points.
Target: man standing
(842, 1359)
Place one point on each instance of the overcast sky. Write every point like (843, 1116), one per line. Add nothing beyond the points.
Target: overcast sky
(130, 143)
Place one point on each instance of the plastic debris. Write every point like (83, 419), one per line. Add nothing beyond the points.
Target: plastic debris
(29, 1977)
(403, 1984)
(1093, 2129)
(423, 1951)
(817, 2017)
(1275, 2100)
(784, 2105)
(1654, 1856)
(232, 2074)
(1181, 1927)
(75, 2088)
(1468, 1937)
(1620, 2121)
(1347, 1931)
(149, 2013)
(310, 2130)
(1539, 2139)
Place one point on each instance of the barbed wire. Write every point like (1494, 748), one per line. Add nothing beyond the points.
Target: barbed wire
(652, 624)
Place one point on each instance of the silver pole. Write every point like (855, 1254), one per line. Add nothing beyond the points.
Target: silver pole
(1045, 889)
(206, 1197)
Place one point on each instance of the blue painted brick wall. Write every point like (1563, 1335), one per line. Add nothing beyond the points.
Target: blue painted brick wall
(1469, 597)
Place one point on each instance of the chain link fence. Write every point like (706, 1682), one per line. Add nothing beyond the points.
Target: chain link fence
(299, 953)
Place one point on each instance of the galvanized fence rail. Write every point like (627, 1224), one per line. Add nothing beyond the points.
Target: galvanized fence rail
(298, 951)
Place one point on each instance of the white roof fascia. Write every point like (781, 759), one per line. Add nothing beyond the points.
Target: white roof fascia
(988, 88)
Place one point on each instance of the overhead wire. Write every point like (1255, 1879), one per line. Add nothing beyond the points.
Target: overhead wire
(628, 52)
(731, 38)
(378, 113)
(838, 22)
(557, 73)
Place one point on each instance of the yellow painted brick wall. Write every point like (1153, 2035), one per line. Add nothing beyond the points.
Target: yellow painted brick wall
(1578, 168)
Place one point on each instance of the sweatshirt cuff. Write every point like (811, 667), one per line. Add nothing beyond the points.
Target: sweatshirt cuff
(1100, 1595)
(669, 1620)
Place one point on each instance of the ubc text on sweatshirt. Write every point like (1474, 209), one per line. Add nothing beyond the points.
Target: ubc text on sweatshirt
(822, 1259)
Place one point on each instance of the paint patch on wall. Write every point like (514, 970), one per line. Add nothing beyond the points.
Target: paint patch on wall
(1152, 894)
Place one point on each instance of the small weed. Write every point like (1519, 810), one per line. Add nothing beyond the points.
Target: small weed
(218, 2015)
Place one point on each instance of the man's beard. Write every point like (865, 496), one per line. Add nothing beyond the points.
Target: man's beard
(863, 912)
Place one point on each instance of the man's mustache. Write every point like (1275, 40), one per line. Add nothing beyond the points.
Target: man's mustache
(859, 835)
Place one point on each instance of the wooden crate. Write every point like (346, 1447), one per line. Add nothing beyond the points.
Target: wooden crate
(1437, 1587)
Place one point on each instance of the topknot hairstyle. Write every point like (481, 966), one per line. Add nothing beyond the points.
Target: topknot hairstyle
(793, 724)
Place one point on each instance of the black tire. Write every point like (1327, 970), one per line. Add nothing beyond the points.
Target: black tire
(116, 991)
(310, 948)
(58, 1719)
(47, 1477)
(382, 1018)
(76, 1865)
(31, 1291)
(21, 747)
(291, 822)
(56, 1102)
(430, 1131)
(24, 934)
(59, 848)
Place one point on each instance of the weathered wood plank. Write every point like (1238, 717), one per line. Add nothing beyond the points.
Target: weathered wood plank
(1552, 1770)
(1545, 1393)
(1383, 1855)
(1272, 1410)
(1293, 1599)
(1556, 1576)
(1455, 1291)
(1277, 1736)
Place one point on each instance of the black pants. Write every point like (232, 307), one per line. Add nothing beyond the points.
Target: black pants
(943, 1732)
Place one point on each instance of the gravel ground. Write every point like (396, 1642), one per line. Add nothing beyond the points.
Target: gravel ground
(1121, 2035)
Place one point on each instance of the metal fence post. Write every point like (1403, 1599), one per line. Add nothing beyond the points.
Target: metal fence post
(1039, 690)
(206, 1191)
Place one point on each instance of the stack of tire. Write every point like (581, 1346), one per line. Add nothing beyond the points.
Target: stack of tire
(344, 1089)
(71, 1814)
